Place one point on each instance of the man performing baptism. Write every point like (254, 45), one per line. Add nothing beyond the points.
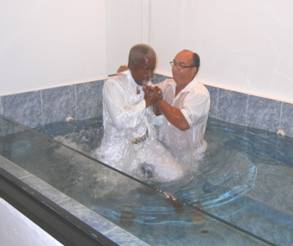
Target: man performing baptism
(185, 107)
(129, 142)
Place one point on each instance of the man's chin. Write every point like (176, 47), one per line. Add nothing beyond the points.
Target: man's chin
(143, 82)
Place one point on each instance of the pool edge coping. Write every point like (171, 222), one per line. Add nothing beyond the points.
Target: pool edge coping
(111, 231)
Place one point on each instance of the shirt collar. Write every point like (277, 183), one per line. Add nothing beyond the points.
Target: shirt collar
(131, 80)
(191, 84)
(188, 87)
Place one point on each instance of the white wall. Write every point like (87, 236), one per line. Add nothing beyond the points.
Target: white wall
(16, 229)
(50, 43)
(244, 45)
(127, 23)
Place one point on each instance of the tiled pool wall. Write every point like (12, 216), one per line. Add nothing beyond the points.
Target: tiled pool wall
(39, 108)
(84, 101)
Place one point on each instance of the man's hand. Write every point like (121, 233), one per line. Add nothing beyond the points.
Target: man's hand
(152, 95)
(122, 68)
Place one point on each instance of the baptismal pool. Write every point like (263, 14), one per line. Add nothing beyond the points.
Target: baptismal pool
(240, 194)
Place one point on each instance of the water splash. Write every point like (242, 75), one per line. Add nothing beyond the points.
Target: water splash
(221, 176)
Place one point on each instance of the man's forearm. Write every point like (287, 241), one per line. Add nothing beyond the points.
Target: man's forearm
(173, 115)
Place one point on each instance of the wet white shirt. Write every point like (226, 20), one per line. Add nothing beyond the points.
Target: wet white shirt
(129, 139)
(194, 103)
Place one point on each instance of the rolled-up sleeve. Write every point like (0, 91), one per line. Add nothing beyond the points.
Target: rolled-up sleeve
(123, 114)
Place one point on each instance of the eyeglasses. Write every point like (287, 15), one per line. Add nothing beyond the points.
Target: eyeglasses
(180, 64)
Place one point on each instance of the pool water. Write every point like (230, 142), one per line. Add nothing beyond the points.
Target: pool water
(241, 192)
(221, 176)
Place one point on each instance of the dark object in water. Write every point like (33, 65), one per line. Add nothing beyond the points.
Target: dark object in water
(198, 217)
(174, 202)
(147, 171)
(127, 217)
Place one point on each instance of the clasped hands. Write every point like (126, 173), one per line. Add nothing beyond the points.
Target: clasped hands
(152, 95)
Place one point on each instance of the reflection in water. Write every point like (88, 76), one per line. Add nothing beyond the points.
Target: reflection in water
(221, 176)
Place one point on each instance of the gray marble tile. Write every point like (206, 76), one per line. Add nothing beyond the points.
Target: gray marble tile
(122, 237)
(232, 107)
(100, 84)
(159, 78)
(8, 128)
(88, 216)
(263, 113)
(89, 100)
(287, 119)
(1, 107)
(24, 108)
(214, 100)
(100, 224)
(45, 189)
(58, 104)
(13, 169)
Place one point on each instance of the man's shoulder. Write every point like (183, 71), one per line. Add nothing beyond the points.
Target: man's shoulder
(115, 83)
(202, 89)
(116, 79)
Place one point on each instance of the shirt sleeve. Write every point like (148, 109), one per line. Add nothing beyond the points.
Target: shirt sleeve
(123, 114)
(195, 106)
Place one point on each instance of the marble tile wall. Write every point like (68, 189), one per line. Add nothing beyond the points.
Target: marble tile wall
(252, 111)
(158, 78)
(37, 108)
(84, 101)
(24, 108)
(57, 104)
(89, 100)
(1, 107)
(286, 121)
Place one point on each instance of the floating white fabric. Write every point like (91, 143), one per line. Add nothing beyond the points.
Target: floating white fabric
(129, 142)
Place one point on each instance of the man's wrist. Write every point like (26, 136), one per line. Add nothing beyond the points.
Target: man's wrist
(158, 103)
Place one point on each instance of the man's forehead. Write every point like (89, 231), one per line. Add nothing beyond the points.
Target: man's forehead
(149, 60)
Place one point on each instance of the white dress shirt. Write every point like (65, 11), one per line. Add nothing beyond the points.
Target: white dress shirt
(129, 139)
(194, 103)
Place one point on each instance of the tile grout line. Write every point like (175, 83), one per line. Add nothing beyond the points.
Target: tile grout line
(246, 110)
(1, 107)
(217, 101)
(75, 101)
(42, 108)
(280, 118)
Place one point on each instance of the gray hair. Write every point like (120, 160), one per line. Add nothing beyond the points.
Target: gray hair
(139, 53)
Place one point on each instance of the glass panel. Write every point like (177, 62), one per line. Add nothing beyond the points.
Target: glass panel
(231, 186)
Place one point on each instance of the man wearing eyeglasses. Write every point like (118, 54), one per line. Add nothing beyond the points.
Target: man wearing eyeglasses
(185, 106)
